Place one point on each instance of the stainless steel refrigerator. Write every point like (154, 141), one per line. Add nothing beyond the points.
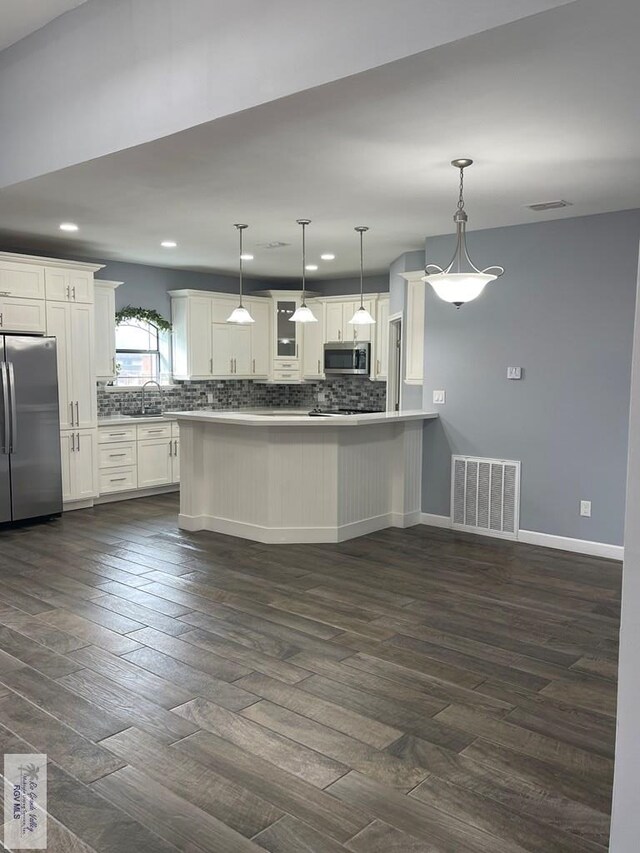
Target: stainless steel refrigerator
(30, 466)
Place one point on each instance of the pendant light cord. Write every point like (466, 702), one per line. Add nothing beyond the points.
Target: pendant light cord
(361, 229)
(240, 229)
(304, 223)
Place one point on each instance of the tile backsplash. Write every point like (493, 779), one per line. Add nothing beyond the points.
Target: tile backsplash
(337, 392)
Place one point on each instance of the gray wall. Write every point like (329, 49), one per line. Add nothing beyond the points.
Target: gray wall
(625, 825)
(563, 311)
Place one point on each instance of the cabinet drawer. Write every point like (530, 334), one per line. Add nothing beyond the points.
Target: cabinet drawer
(287, 365)
(118, 480)
(117, 455)
(106, 435)
(289, 375)
(154, 431)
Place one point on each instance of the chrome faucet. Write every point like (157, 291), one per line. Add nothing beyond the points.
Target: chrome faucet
(150, 382)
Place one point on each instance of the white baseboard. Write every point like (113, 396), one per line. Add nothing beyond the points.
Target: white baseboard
(435, 520)
(113, 497)
(578, 546)
(283, 535)
(545, 540)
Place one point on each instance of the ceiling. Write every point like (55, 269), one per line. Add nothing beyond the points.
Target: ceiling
(546, 106)
(19, 18)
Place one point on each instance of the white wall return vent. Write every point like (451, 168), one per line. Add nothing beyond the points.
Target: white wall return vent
(485, 496)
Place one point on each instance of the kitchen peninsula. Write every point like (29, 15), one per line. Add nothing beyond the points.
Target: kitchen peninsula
(274, 476)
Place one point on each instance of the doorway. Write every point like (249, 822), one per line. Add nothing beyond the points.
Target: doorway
(394, 383)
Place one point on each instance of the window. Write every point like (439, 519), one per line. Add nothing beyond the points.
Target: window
(142, 352)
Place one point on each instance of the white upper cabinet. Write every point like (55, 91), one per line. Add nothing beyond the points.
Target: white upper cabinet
(260, 338)
(191, 318)
(73, 327)
(105, 323)
(380, 367)
(22, 315)
(414, 334)
(313, 344)
(24, 280)
(337, 316)
(68, 285)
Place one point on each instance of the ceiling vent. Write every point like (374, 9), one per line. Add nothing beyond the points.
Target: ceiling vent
(274, 244)
(549, 205)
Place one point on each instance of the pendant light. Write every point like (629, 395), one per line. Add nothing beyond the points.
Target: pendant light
(302, 314)
(362, 316)
(460, 282)
(240, 315)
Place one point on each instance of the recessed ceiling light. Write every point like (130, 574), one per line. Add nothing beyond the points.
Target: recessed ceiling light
(68, 226)
(245, 256)
(168, 244)
(311, 267)
(328, 256)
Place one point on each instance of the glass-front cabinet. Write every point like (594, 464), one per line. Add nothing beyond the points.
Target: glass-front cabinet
(286, 331)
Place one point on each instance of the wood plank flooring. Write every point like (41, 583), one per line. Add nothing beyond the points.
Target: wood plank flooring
(412, 691)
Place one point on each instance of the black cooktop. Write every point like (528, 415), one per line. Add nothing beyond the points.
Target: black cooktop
(323, 413)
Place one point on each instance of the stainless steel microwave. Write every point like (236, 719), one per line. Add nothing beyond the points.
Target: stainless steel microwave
(353, 358)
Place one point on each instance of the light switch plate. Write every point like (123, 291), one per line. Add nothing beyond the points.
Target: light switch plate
(514, 373)
(439, 397)
(585, 509)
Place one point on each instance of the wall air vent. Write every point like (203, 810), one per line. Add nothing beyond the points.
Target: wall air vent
(485, 496)
(274, 244)
(549, 205)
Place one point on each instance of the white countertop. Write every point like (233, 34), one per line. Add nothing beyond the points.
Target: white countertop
(119, 420)
(295, 417)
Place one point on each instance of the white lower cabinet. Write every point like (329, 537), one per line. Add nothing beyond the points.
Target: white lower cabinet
(140, 456)
(79, 464)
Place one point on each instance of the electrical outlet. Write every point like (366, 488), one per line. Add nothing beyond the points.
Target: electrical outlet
(210, 398)
(514, 373)
(440, 397)
(585, 509)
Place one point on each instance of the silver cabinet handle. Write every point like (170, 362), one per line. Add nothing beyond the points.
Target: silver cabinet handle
(175, 447)
(68, 291)
(73, 442)
(339, 335)
(114, 371)
(1, 319)
(154, 430)
(74, 293)
(77, 414)
(254, 365)
(112, 434)
(170, 451)
(5, 293)
(210, 365)
(116, 455)
(71, 407)
(296, 350)
(78, 434)
(318, 365)
(235, 366)
(117, 479)
(377, 365)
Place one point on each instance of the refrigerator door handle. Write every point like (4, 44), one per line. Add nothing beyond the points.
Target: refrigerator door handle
(5, 401)
(14, 408)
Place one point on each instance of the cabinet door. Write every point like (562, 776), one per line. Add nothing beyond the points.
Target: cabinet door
(415, 331)
(312, 345)
(85, 463)
(199, 337)
(241, 350)
(67, 441)
(105, 324)
(25, 280)
(154, 462)
(221, 348)
(80, 285)
(22, 315)
(175, 461)
(333, 321)
(57, 284)
(260, 353)
(81, 356)
(382, 340)
(286, 332)
(59, 325)
(357, 333)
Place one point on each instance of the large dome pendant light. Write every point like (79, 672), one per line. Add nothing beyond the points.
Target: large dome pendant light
(302, 314)
(362, 316)
(460, 282)
(240, 315)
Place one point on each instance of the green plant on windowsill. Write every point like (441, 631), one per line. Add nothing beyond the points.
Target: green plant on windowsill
(147, 315)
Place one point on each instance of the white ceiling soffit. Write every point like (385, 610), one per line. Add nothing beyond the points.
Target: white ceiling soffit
(117, 74)
(20, 18)
(542, 105)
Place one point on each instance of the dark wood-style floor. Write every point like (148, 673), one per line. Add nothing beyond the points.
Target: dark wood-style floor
(409, 691)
